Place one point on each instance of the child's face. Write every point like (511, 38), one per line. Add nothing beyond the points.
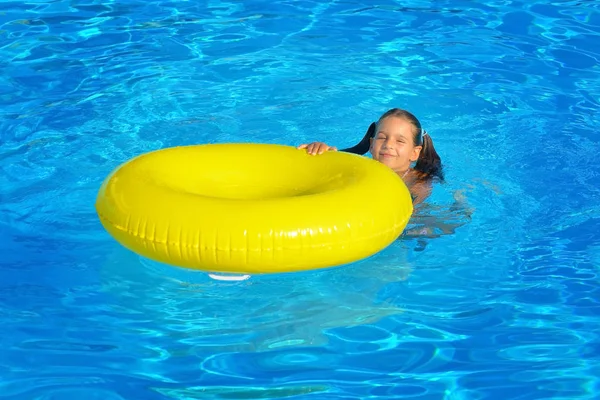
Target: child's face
(393, 144)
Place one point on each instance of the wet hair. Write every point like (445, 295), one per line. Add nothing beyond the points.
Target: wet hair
(429, 162)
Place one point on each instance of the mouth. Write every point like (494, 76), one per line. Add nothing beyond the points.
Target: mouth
(385, 155)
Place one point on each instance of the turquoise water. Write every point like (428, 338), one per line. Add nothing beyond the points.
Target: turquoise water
(503, 304)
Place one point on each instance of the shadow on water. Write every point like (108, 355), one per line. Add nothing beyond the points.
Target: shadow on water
(260, 313)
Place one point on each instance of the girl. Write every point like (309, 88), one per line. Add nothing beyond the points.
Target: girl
(398, 140)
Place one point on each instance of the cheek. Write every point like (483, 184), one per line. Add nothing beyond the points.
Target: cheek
(403, 150)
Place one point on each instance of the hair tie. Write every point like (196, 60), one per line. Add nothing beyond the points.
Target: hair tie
(423, 134)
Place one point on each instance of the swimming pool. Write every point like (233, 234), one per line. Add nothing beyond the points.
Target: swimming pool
(505, 306)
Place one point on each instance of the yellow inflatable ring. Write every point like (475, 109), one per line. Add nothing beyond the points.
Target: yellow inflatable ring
(253, 208)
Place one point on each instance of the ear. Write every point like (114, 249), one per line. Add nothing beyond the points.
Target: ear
(416, 152)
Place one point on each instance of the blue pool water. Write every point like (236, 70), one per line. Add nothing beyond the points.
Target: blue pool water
(503, 305)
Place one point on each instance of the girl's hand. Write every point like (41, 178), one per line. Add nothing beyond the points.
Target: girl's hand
(317, 148)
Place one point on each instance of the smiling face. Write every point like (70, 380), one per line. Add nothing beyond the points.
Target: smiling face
(394, 143)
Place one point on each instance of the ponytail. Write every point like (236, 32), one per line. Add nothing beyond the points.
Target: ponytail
(363, 146)
(429, 162)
